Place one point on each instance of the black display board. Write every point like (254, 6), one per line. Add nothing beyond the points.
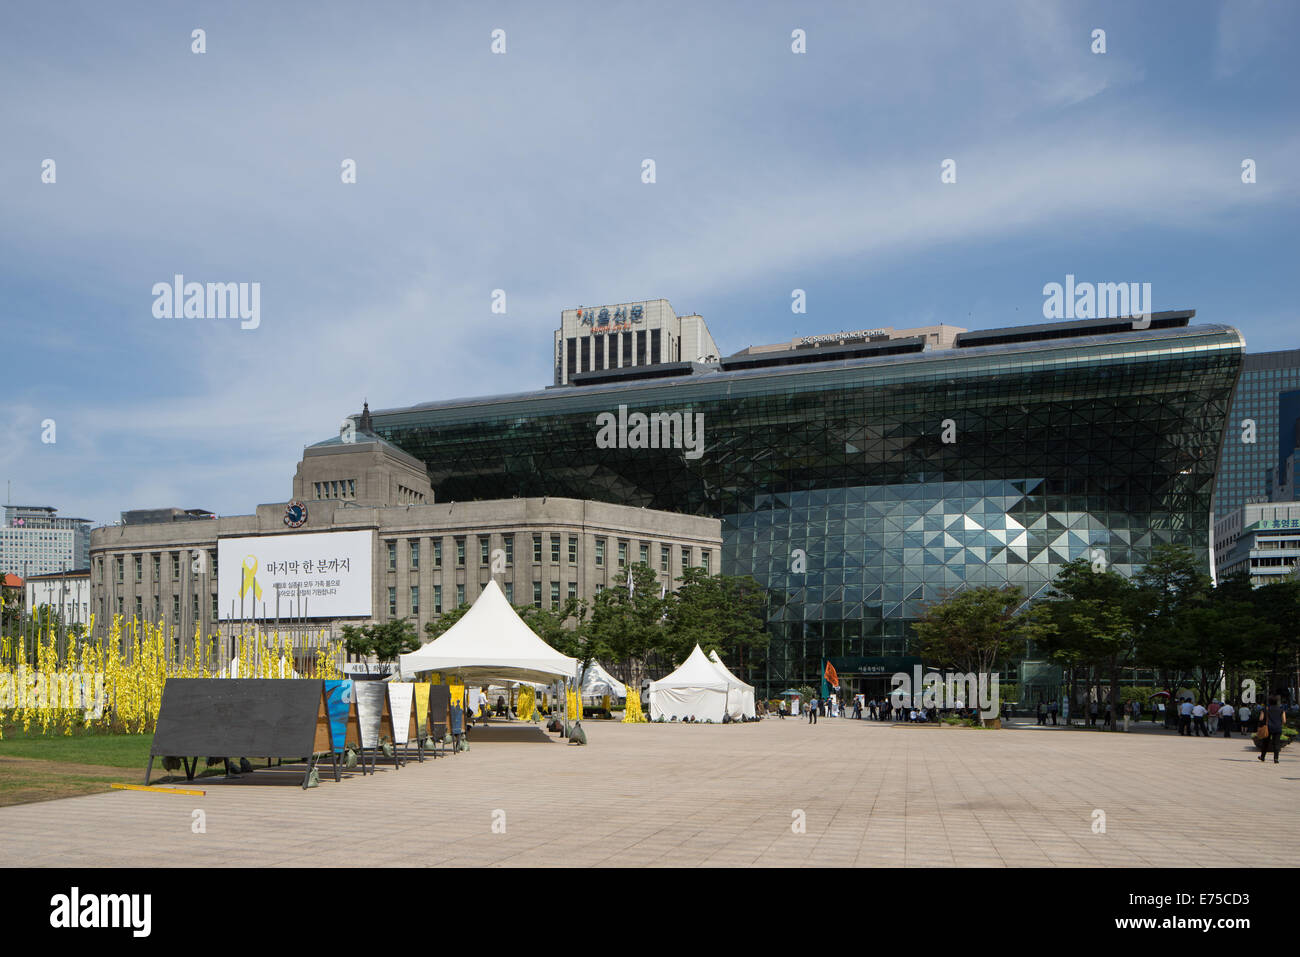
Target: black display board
(241, 717)
(439, 710)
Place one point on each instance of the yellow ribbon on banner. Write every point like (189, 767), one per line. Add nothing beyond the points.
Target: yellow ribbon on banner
(250, 578)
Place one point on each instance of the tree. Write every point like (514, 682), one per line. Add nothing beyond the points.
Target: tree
(628, 626)
(438, 626)
(385, 641)
(975, 628)
(723, 613)
(1093, 619)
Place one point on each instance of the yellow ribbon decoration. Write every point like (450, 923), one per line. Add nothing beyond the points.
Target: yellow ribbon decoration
(250, 578)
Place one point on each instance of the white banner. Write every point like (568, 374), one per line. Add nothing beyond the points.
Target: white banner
(320, 575)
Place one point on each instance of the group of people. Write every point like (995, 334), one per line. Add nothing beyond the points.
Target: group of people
(873, 710)
(1198, 720)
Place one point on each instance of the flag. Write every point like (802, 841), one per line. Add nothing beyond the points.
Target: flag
(832, 678)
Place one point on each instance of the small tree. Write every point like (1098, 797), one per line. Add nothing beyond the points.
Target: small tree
(385, 641)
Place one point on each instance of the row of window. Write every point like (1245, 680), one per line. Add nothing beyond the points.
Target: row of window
(137, 561)
(121, 607)
(556, 549)
(343, 488)
(571, 589)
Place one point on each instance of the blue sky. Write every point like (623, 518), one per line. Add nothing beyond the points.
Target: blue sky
(521, 172)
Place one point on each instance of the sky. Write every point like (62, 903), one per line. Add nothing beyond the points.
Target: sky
(522, 171)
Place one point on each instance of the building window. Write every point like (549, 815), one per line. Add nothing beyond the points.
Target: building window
(119, 604)
(483, 547)
(537, 549)
(573, 589)
(139, 568)
(352, 489)
(437, 553)
(510, 550)
(573, 549)
(215, 611)
(571, 357)
(704, 560)
(460, 551)
(415, 600)
(510, 592)
(139, 607)
(437, 599)
(644, 554)
(600, 552)
(586, 354)
(460, 595)
(194, 607)
(686, 558)
(599, 587)
(392, 602)
(157, 567)
(176, 609)
(665, 554)
(212, 563)
(157, 607)
(640, 349)
(555, 549)
(655, 354)
(537, 594)
(555, 595)
(622, 554)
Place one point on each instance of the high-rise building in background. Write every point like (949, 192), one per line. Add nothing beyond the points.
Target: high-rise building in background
(1245, 466)
(36, 541)
(598, 338)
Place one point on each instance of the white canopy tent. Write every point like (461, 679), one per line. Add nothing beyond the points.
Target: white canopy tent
(695, 689)
(490, 644)
(740, 696)
(597, 682)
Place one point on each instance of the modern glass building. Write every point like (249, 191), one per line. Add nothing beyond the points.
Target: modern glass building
(1244, 466)
(860, 482)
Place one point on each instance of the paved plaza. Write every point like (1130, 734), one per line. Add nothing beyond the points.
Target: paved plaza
(872, 795)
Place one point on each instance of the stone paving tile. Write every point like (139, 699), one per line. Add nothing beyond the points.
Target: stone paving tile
(872, 795)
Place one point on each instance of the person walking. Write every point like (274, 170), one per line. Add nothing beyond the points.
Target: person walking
(1042, 712)
(1053, 710)
(1185, 718)
(1198, 721)
(1226, 714)
(1273, 718)
(812, 711)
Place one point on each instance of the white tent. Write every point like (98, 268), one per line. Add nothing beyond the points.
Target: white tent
(696, 689)
(597, 682)
(740, 696)
(491, 643)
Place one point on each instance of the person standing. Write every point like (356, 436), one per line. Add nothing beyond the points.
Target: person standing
(1198, 721)
(1226, 714)
(1185, 718)
(812, 711)
(1274, 717)
(1092, 712)
(1053, 710)
(1243, 718)
(1041, 712)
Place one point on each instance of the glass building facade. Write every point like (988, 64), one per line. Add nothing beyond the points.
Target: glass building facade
(857, 490)
(1244, 466)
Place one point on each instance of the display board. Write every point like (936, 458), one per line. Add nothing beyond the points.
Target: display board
(422, 709)
(401, 699)
(241, 717)
(344, 726)
(371, 698)
(316, 574)
(439, 710)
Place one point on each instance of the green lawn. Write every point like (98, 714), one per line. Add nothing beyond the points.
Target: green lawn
(107, 750)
